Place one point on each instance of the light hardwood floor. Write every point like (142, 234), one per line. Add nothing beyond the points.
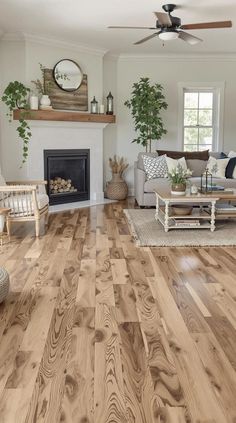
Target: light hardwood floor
(96, 330)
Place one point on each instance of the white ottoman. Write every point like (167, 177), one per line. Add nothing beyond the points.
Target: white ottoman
(4, 284)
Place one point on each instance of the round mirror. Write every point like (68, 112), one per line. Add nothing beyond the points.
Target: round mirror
(68, 75)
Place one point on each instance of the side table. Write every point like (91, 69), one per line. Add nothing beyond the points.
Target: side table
(4, 212)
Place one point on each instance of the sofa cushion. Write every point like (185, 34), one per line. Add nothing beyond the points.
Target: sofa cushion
(149, 186)
(173, 163)
(196, 166)
(21, 203)
(217, 167)
(152, 184)
(140, 158)
(155, 167)
(193, 155)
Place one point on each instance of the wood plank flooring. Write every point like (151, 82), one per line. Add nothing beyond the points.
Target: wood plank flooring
(97, 330)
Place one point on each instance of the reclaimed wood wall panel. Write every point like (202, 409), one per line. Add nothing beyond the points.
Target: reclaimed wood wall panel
(64, 100)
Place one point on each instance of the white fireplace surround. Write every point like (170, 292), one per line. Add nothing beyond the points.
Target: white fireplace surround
(68, 135)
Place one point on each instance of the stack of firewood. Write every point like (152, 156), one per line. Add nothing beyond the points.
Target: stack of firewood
(59, 185)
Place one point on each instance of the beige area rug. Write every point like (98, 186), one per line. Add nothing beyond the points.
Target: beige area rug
(148, 232)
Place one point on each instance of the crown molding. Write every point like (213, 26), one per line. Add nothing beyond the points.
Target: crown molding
(16, 36)
(221, 57)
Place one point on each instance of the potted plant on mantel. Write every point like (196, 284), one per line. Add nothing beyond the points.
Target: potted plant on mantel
(43, 88)
(146, 104)
(16, 96)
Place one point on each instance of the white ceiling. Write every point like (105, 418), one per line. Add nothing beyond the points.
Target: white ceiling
(86, 21)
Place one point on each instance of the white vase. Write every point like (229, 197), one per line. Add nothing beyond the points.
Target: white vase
(34, 102)
(45, 100)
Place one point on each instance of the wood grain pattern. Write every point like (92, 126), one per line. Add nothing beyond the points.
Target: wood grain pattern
(56, 115)
(97, 330)
(64, 100)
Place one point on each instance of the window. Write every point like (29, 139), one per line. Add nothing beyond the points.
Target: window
(201, 113)
(199, 120)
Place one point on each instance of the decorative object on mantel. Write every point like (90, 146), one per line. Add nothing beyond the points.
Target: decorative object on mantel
(4, 284)
(34, 102)
(94, 106)
(178, 178)
(101, 109)
(15, 96)
(43, 88)
(117, 188)
(146, 104)
(110, 104)
(62, 99)
(68, 75)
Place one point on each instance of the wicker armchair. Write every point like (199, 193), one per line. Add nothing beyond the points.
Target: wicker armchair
(27, 200)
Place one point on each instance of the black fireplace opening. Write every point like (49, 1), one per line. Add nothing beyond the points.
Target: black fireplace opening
(67, 173)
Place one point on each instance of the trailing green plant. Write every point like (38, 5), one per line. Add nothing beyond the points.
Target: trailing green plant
(146, 104)
(42, 86)
(15, 96)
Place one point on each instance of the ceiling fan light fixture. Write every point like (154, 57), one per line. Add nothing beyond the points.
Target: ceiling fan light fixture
(168, 35)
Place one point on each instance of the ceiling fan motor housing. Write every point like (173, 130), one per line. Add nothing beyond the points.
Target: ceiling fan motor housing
(169, 7)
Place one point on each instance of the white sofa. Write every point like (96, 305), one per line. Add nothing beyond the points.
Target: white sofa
(143, 188)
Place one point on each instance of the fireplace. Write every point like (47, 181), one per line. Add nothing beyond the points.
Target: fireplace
(67, 173)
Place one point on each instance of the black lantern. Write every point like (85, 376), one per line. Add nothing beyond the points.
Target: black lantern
(206, 182)
(94, 106)
(110, 104)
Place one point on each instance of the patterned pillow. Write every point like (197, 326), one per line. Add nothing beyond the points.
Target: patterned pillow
(155, 167)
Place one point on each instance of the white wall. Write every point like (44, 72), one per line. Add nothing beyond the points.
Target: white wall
(168, 72)
(110, 133)
(12, 67)
(20, 61)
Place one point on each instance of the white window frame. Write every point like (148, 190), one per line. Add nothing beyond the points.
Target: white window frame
(218, 110)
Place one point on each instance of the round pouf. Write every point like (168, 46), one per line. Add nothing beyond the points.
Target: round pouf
(4, 284)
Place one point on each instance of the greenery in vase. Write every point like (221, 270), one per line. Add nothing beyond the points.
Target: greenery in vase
(15, 96)
(179, 175)
(146, 104)
(42, 86)
(118, 164)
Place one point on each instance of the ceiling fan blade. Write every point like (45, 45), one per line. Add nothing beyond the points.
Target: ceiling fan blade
(163, 18)
(208, 25)
(146, 39)
(130, 27)
(190, 39)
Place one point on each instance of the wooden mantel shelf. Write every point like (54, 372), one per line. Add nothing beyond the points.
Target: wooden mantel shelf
(56, 115)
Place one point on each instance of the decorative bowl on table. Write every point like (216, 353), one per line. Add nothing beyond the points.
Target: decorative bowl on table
(180, 210)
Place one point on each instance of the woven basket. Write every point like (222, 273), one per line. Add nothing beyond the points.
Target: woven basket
(4, 284)
(117, 188)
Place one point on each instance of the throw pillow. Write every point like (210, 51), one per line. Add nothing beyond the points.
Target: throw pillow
(155, 167)
(232, 154)
(217, 167)
(196, 166)
(231, 168)
(172, 163)
(193, 155)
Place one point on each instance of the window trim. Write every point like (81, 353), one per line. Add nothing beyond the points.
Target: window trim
(218, 109)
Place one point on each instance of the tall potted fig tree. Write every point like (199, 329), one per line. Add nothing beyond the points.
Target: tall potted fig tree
(146, 103)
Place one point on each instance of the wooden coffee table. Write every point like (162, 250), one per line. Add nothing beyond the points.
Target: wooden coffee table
(167, 218)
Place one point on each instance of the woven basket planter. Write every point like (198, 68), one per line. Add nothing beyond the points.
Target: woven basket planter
(4, 284)
(117, 188)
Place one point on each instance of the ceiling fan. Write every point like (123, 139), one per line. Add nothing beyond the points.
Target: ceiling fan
(169, 27)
